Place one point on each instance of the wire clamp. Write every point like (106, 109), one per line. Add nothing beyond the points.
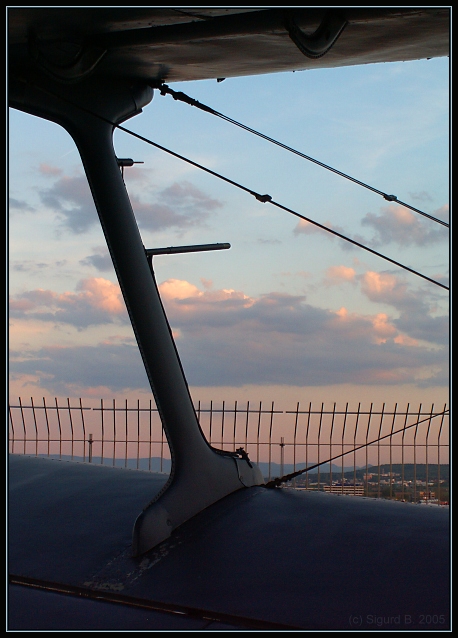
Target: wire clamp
(263, 198)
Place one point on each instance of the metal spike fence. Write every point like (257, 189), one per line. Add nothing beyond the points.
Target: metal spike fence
(397, 453)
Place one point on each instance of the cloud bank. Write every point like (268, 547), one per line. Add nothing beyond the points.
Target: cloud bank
(180, 205)
(97, 301)
(395, 224)
(228, 338)
(401, 226)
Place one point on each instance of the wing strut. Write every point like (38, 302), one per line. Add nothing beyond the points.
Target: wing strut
(200, 475)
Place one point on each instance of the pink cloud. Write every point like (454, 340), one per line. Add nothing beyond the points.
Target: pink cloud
(399, 225)
(102, 293)
(338, 274)
(52, 171)
(307, 228)
(96, 301)
(184, 296)
(342, 313)
(20, 305)
(376, 328)
(405, 340)
(226, 337)
(178, 289)
(206, 283)
(383, 329)
(378, 286)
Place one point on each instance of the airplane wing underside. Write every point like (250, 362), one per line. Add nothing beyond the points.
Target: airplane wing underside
(174, 45)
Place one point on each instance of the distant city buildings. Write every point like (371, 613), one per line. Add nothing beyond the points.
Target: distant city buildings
(388, 485)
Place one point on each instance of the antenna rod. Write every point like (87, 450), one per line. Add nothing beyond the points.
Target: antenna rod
(171, 250)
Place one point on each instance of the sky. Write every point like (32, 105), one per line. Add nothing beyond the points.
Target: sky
(290, 313)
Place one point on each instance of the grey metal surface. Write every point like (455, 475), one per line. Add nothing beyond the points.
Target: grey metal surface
(302, 559)
(67, 519)
(181, 44)
(310, 560)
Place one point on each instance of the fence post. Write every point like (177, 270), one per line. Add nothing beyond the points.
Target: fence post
(391, 450)
(367, 452)
(307, 445)
(138, 432)
(60, 427)
(246, 425)
(415, 457)
(90, 441)
(354, 451)
(211, 423)
(114, 432)
(426, 451)
(439, 451)
(330, 446)
(319, 437)
(84, 429)
(71, 424)
(235, 423)
(402, 451)
(23, 422)
(36, 427)
(343, 444)
(102, 430)
(127, 437)
(378, 449)
(12, 428)
(294, 443)
(258, 433)
(223, 413)
(270, 438)
(150, 420)
(47, 424)
(282, 456)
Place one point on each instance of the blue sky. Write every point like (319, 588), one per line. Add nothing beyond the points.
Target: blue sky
(289, 312)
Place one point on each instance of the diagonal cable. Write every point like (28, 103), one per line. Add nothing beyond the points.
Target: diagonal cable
(182, 97)
(268, 199)
(258, 196)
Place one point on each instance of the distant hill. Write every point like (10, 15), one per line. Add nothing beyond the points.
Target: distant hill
(409, 473)
(154, 465)
(289, 468)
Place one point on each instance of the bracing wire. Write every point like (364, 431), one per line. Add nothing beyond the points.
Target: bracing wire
(283, 479)
(182, 97)
(258, 196)
(268, 199)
